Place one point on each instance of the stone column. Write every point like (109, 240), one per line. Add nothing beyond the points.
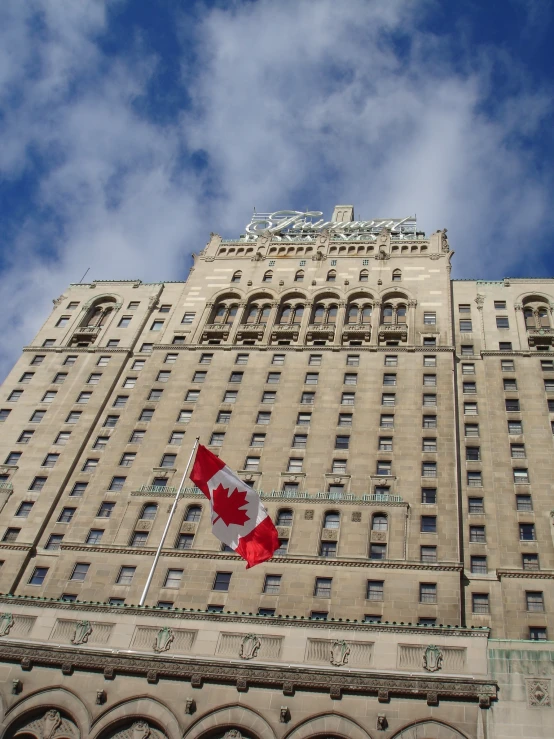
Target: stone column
(480, 300)
(410, 318)
(308, 305)
(521, 327)
(195, 338)
(271, 319)
(239, 318)
(340, 322)
(375, 323)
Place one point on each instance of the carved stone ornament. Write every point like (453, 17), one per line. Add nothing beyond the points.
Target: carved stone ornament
(356, 516)
(58, 300)
(339, 653)
(258, 257)
(480, 300)
(164, 638)
(140, 730)
(382, 254)
(318, 257)
(308, 515)
(232, 734)
(190, 706)
(382, 722)
(83, 630)
(539, 693)
(250, 646)
(50, 723)
(444, 240)
(434, 256)
(432, 659)
(6, 623)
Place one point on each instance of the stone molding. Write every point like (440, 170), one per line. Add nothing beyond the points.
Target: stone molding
(307, 678)
(526, 574)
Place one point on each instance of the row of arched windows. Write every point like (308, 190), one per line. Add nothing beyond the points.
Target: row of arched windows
(331, 276)
(331, 520)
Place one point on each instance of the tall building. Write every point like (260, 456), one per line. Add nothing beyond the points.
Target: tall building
(399, 427)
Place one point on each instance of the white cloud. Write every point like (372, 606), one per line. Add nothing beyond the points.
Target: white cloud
(295, 104)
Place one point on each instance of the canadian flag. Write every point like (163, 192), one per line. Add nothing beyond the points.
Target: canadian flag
(238, 517)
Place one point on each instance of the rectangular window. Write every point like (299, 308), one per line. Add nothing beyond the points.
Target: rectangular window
(521, 476)
(138, 364)
(477, 535)
(471, 429)
(470, 409)
(252, 463)
(345, 419)
(515, 427)
(117, 483)
(73, 417)
(352, 360)
(383, 468)
(101, 443)
(164, 375)
(389, 379)
(13, 458)
(222, 581)
(517, 451)
(127, 459)
(263, 417)
(90, 465)
(375, 589)
(429, 496)
(217, 439)
(153, 396)
(527, 532)
(534, 601)
(429, 445)
(512, 405)
(24, 509)
(474, 479)
(299, 441)
(273, 378)
(38, 576)
(111, 422)
(549, 386)
(124, 321)
(500, 305)
(184, 416)
(54, 542)
(272, 584)
(48, 342)
(168, 460)
(478, 565)
(230, 396)
(349, 398)
(283, 548)
(427, 592)
(342, 442)
(429, 422)
(469, 388)
(78, 489)
(464, 308)
(428, 554)
(48, 397)
(295, 464)
(157, 325)
(468, 368)
(176, 438)
(103, 361)
(480, 602)
(83, 398)
(322, 587)
(80, 571)
(188, 318)
(125, 576)
(466, 325)
(50, 460)
(269, 397)
(314, 360)
(428, 524)
(505, 346)
(25, 437)
(385, 444)
(307, 398)
(94, 536)
(204, 358)
(510, 385)
(547, 365)
(476, 505)
(502, 322)
(139, 539)
(430, 380)
(236, 377)
(429, 400)
(105, 510)
(350, 378)
(278, 359)
(537, 633)
(39, 359)
(184, 541)
(429, 469)
(192, 396)
(524, 503)
(241, 359)
(26, 378)
(311, 378)
(62, 322)
(388, 399)
(391, 360)
(550, 406)
(11, 535)
(530, 561)
(339, 466)
(473, 453)
(429, 318)
(467, 350)
(136, 437)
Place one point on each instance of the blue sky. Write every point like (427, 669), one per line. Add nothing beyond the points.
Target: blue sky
(131, 129)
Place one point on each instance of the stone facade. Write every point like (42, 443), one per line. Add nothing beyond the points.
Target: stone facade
(398, 427)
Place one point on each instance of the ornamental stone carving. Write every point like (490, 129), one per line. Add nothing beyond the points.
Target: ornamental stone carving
(58, 300)
(6, 623)
(232, 734)
(539, 693)
(356, 516)
(432, 658)
(83, 630)
(50, 722)
(250, 646)
(309, 515)
(339, 653)
(140, 730)
(444, 240)
(164, 638)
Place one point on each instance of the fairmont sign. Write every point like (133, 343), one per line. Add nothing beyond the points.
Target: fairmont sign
(294, 225)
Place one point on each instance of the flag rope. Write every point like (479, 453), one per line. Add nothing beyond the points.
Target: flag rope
(170, 518)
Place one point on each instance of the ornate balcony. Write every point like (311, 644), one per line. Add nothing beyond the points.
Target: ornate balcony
(251, 331)
(216, 331)
(393, 332)
(86, 333)
(540, 336)
(356, 331)
(317, 331)
(288, 331)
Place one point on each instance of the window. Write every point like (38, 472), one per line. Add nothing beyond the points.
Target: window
(480, 602)
(105, 510)
(217, 439)
(391, 361)
(464, 308)
(388, 399)
(477, 535)
(136, 437)
(103, 361)
(49, 397)
(307, 398)
(474, 479)
(138, 364)
(473, 453)
(389, 379)
(278, 359)
(5, 412)
(13, 458)
(85, 397)
(342, 442)
(176, 438)
(524, 503)
(468, 369)
(502, 322)
(39, 359)
(204, 358)
(430, 380)
(311, 378)
(429, 496)
(222, 581)
(429, 445)
(230, 396)
(26, 378)
(153, 396)
(94, 536)
(62, 322)
(349, 398)
(331, 520)
(476, 505)
(429, 469)
(299, 441)
(176, 341)
(167, 605)
(383, 468)
(429, 400)
(530, 561)
(352, 360)
(139, 538)
(467, 350)
(24, 509)
(427, 592)
(478, 565)
(551, 406)
(378, 551)
(241, 359)
(38, 576)
(469, 388)
(273, 378)
(48, 342)
(466, 325)
(314, 360)
(537, 633)
(184, 416)
(517, 451)
(184, 541)
(379, 522)
(125, 576)
(339, 466)
(269, 397)
(272, 584)
(547, 365)
(534, 600)
(187, 318)
(38, 484)
(80, 571)
(429, 422)
(429, 524)
(500, 305)
(428, 554)
(505, 346)
(470, 409)
(11, 535)
(158, 325)
(78, 489)
(112, 343)
(25, 437)
(124, 322)
(90, 465)
(164, 376)
(192, 396)
(512, 405)
(294, 465)
(527, 532)
(127, 459)
(375, 590)
(385, 422)
(268, 276)
(345, 419)
(111, 422)
(50, 460)
(430, 318)
(397, 275)
(521, 476)
(322, 587)
(350, 378)
(133, 305)
(515, 427)
(385, 444)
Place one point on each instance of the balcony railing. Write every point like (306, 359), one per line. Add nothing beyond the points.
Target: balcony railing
(6, 486)
(89, 331)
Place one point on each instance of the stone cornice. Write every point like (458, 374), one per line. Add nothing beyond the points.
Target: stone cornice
(526, 574)
(15, 547)
(288, 499)
(321, 561)
(80, 607)
(209, 348)
(288, 679)
(79, 349)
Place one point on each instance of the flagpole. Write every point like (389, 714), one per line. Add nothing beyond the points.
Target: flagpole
(171, 513)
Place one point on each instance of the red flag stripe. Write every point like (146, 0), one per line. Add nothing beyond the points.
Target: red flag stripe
(259, 544)
(206, 465)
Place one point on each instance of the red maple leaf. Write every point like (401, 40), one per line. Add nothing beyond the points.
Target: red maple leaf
(228, 506)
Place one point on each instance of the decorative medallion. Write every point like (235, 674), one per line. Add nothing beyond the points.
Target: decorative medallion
(163, 639)
(339, 653)
(432, 659)
(140, 730)
(250, 646)
(6, 623)
(539, 693)
(83, 630)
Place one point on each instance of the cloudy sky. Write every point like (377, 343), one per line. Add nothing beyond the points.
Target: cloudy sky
(131, 129)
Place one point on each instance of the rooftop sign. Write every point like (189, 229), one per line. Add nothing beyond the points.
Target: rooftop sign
(294, 225)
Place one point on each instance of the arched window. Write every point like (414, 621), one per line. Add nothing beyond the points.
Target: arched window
(149, 512)
(268, 276)
(252, 314)
(193, 513)
(266, 310)
(332, 520)
(299, 276)
(352, 314)
(397, 275)
(236, 277)
(544, 321)
(284, 517)
(401, 314)
(332, 314)
(387, 313)
(319, 313)
(331, 276)
(298, 313)
(285, 314)
(364, 275)
(379, 522)
(366, 314)
(231, 314)
(529, 318)
(220, 314)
